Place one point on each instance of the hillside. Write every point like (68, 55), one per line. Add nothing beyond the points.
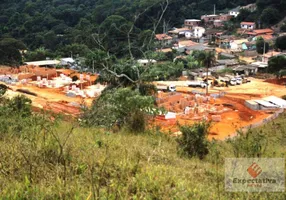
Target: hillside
(43, 159)
(52, 24)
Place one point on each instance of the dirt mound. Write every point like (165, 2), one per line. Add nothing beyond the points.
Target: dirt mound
(277, 81)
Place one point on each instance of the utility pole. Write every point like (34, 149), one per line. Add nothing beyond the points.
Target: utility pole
(93, 65)
(214, 9)
(263, 60)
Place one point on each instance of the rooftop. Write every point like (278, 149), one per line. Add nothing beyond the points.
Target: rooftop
(163, 37)
(44, 62)
(192, 20)
(247, 23)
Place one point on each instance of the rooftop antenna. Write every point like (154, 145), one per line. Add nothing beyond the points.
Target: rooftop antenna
(214, 9)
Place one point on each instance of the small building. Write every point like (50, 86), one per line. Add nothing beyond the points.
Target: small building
(209, 18)
(198, 31)
(247, 25)
(192, 22)
(265, 105)
(145, 62)
(246, 69)
(164, 39)
(281, 103)
(67, 61)
(248, 46)
(44, 63)
(251, 7)
(237, 44)
(176, 31)
(218, 23)
(227, 62)
(225, 17)
(266, 57)
(258, 32)
(234, 12)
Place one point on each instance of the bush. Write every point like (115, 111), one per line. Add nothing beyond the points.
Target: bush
(74, 78)
(193, 142)
(249, 144)
(119, 107)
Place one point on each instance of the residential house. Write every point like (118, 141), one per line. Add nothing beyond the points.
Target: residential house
(198, 31)
(248, 46)
(247, 25)
(266, 57)
(145, 62)
(259, 32)
(189, 23)
(246, 69)
(237, 44)
(175, 32)
(225, 17)
(218, 23)
(234, 12)
(251, 7)
(67, 61)
(210, 18)
(187, 46)
(164, 39)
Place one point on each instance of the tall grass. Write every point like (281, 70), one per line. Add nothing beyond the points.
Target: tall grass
(64, 161)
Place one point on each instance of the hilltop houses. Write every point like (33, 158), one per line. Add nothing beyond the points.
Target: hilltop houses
(248, 25)
(189, 23)
(234, 12)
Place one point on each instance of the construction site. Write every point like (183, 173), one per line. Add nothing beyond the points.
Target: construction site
(229, 108)
(59, 91)
(226, 107)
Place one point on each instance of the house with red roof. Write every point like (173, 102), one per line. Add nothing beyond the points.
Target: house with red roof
(248, 25)
(260, 32)
(164, 39)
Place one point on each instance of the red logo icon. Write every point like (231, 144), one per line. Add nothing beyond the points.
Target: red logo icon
(254, 170)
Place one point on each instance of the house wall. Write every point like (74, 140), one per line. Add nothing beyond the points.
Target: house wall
(198, 32)
(245, 26)
(233, 13)
(191, 23)
(218, 24)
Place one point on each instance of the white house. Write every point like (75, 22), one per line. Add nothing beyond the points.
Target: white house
(234, 12)
(198, 31)
(67, 61)
(145, 62)
(236, 44)
(247, 25)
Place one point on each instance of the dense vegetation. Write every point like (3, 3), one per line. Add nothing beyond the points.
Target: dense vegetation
(71, 27)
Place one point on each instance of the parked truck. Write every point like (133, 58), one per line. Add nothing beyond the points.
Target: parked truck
(166, 88)
(196, 84)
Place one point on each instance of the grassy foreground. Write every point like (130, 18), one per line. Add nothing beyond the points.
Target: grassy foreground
(40, 160)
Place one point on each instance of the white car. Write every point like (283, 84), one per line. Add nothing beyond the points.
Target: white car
(238, 80)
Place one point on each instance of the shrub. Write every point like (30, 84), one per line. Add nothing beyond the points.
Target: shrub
(249, 144)
(74, 78)
(119, 107)
(193, 142)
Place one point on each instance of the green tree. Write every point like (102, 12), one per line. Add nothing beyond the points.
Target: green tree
(39, 54)
(280, 43)
(119, 106)
(194, 142)
(206, 59)
(270, 16)
(276, 63)
(10, 51)
(261, 46)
